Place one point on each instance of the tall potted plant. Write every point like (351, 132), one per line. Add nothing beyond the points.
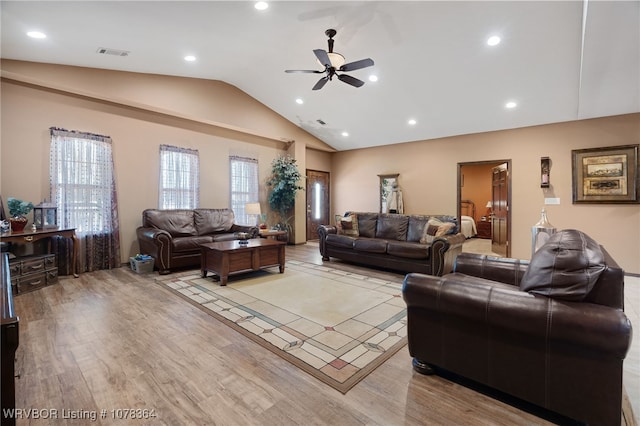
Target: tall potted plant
(18, 209)
(284, 185)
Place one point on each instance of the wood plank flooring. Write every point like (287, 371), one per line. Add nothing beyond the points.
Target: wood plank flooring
(114, 340)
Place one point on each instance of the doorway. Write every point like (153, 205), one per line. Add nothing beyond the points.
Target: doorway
(317, 202)
(486, 186)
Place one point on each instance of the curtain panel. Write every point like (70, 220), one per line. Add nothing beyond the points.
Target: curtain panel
(244, 187)
(82, 185)
(179, 186)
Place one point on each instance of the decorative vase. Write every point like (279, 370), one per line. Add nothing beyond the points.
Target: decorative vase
(541, 232)
(18, 223)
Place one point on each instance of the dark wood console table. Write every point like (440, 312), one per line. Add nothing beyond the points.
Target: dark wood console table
(33, 236)
(10, 323)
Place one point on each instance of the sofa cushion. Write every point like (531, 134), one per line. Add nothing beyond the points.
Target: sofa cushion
(211, 221)
(367, 224)
(224, 237)
(339, 240)
(189, 244)
(566, 267)
(370, 245)
(416, 227)
(411, 250)
(178, 223)
(392, 227)
(347, 225)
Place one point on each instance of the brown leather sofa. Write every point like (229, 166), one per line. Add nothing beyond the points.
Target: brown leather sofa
(173, 237)
(551, 332)
(393, 241)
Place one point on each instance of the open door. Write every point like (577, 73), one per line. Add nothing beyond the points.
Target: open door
(500, 210)
(490, 196)
(317, 202)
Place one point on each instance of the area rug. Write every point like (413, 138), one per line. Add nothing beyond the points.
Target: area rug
(335, 325)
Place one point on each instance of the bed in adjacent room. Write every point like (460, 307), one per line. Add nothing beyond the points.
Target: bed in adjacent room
(467, 221)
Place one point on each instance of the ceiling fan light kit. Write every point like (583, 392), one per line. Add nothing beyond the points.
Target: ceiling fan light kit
(334, 62)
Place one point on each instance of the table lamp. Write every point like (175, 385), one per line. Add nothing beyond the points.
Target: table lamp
(253, 209)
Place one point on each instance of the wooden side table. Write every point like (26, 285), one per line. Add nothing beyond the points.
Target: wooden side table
(484, 229)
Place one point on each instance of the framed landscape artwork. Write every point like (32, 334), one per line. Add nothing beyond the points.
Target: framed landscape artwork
(605, 175)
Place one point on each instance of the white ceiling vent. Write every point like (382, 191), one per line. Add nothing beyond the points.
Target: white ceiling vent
(114, 52)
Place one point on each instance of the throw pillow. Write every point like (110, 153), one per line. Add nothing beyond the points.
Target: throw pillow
(566, 267)
(436, 228)
(347, 225)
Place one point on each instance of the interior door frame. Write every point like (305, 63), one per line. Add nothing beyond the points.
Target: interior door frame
(509, 174)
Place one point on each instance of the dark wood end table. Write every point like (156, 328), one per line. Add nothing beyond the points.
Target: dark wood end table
(228, 257)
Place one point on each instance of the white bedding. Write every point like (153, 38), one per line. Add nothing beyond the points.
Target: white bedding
(468, 226)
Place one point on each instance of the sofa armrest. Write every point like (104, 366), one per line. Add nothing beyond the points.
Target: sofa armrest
(444, 250)
(517, 316)
(253, 231)
(323, 231)
(502, 269)
(156, 243)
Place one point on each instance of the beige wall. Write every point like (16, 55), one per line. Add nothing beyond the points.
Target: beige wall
(428, 177)
(29, 110)
(140, 112)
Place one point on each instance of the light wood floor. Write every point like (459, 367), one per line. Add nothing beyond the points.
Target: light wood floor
(115, 340)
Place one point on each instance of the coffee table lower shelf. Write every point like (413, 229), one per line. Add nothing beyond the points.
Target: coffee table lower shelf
(230, 257)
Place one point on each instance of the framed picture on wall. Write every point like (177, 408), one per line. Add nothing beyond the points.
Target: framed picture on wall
(605, 175)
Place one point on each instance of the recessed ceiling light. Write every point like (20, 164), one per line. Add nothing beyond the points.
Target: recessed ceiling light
(345, 134)
(189, 58)
(493, 40)
(261, 5)
(510, 105)
(373, 78)
(412, 122)
(299, 101)
(36, 34)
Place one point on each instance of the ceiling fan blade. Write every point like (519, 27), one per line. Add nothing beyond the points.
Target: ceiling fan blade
(305, 71)
(350, 80)
(352, 66)
(320, 84)
(323, 57)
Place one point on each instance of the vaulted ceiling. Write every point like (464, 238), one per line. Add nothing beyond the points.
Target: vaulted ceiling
(557, 60)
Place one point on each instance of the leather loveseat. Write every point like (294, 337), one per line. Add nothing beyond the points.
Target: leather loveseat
(394, 241)
(551, 332)
(173, 237)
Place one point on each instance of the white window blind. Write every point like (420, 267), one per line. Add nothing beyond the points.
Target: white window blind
(179, 186)
(244, 187)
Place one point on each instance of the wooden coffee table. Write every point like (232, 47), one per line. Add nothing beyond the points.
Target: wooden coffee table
(228, 257)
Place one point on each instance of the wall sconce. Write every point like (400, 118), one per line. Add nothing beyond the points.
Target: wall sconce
(545, 167)
(45, 216)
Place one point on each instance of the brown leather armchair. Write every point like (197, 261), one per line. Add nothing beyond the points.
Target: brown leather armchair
(551, 332)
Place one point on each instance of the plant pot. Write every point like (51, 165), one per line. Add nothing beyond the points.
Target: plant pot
(18, 224)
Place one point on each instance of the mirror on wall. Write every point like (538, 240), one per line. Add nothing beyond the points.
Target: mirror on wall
(386, 184)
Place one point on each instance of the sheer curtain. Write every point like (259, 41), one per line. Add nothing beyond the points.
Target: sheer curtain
(244, 187)
(82, 184)
(179, 178)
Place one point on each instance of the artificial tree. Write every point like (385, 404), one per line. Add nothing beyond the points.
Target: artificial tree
(284, 185)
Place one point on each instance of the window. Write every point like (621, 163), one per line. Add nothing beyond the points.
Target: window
(244, 187)
(82, 186)
(179, 178)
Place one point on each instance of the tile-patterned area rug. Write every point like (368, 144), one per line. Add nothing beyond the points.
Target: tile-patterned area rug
(335, 325)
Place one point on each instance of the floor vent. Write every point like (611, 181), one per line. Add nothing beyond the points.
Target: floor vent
(114, 52)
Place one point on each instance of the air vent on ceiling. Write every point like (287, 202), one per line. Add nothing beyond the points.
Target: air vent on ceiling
(114, 52)
(321, 122)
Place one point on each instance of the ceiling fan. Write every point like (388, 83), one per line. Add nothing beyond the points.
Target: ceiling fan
(334, 62)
